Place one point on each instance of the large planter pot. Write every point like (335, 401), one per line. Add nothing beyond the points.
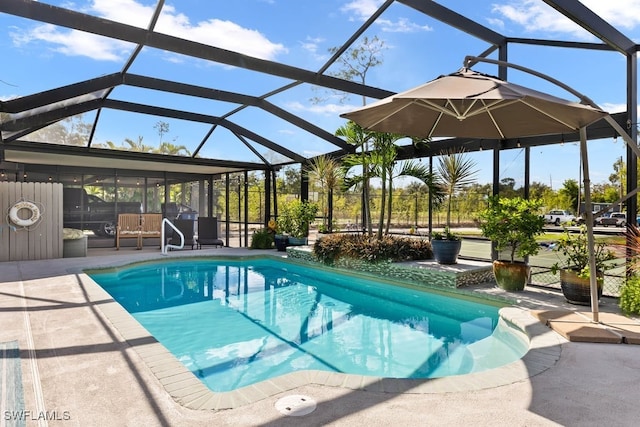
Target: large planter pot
(511, 276)
(577, 290)
(297, 241)
(446, 251)
(74, 243)
(281, 242)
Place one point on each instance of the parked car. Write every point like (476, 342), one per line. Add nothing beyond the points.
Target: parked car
(598, 221)
(617, 219)
(89, 212)
(558, 217)
(582, 218)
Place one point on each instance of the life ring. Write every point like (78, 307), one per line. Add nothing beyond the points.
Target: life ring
(26, 222)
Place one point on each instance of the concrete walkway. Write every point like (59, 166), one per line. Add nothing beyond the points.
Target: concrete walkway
(78, 369)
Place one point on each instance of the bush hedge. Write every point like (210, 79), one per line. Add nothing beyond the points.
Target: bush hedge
(329, 248)
(630, 296)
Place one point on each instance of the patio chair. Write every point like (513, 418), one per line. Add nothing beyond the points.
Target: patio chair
(129, 228)
(186, 228)
(208, 232)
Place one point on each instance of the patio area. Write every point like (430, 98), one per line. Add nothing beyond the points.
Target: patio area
(79, 369)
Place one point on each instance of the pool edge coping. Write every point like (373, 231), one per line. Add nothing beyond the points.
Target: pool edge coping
(190, 392)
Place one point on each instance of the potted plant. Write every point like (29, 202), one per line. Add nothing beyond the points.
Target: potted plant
(280, 240)
(574, 267)
(294, 220)
(446, 246)
(262, 238)
(512, 224)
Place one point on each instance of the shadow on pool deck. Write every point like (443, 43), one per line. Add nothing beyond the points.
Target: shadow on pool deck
(85, 367)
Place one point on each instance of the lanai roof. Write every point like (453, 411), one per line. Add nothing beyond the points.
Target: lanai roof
(238, 108)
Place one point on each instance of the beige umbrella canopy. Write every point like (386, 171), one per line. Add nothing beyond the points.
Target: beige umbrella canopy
(468, 104)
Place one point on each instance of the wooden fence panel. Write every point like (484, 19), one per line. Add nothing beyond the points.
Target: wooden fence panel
(42, 240)
(5, 230)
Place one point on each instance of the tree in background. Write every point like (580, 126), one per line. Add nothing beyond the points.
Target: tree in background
(355, 63)
(456, 170)
(289, 182)
(69, 131)
(570, 193)
(329, 175)
(355, 135)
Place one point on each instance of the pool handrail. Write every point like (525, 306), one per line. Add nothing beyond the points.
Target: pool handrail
(163, 242)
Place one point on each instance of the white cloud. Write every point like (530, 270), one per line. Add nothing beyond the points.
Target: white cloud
(496, 23)
(535, 15)
(325, 109)
(72, 42)
(312, 45)
(363, 9)
(613, 108)
(215, 32)
(619, 13)
(402, 25)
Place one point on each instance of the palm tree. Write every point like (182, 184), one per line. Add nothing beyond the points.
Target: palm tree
(173, 149)
(138, 145)
(356, 135)
(383, 160)
(326, 170)
(382, 164)
(456, 171)
(421, 172)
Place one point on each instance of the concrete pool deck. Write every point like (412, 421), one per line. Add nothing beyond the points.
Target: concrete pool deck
(80, 368)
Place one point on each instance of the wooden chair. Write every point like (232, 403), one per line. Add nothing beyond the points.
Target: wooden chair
(129, 228)
(151, 226)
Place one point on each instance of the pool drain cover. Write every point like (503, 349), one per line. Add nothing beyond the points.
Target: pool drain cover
(296, 405)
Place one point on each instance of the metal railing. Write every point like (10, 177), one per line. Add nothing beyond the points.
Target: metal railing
(163, 241)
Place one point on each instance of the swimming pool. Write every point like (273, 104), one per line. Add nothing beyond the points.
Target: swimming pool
(237, 322)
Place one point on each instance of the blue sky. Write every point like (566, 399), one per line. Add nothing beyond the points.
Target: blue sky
(299, 33)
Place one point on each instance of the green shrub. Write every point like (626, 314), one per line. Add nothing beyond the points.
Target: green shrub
(295, 217)
(329, 248)
(262, 239)
(630, 296)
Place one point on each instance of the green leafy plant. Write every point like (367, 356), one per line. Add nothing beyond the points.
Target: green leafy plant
(446, 234)
(371, 249)
(574, 248)
(630, 296)
(295, 217)
(262, 239)
(630, 291)
(513, 224)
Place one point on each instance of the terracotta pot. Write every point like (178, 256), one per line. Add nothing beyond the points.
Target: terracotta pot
(511, 276)
(446, 251)
(577, 290)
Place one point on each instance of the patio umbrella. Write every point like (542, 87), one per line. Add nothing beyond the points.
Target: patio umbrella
(468, 104)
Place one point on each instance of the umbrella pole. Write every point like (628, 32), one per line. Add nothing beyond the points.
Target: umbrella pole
(593, 280)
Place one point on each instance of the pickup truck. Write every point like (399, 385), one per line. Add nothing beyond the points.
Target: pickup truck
(88, 212)
(617, 219)
(558, 217)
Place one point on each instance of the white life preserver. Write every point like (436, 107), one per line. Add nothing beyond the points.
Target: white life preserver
(32, 207)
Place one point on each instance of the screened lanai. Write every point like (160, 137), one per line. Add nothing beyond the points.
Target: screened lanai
(166, 103)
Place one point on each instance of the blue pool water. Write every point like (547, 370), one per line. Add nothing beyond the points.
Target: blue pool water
(235, 323)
